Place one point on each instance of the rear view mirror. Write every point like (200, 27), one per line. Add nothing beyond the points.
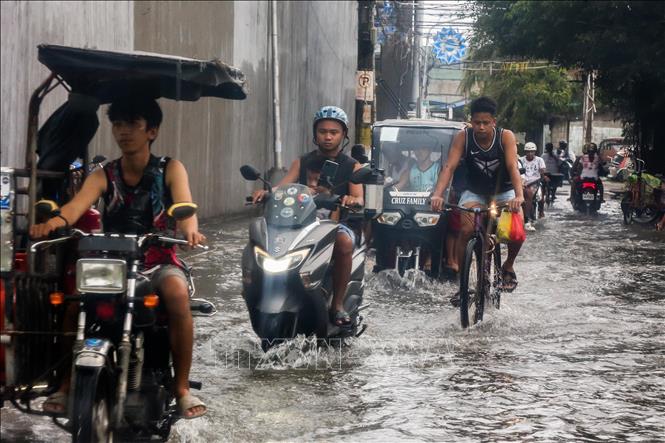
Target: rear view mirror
(362, 175)
(249, 173)
(98, 159)
(182, 211)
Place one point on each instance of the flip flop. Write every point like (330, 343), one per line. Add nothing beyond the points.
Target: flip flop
(508, 285)
(342, 319)
(56, 403)
(187, 402)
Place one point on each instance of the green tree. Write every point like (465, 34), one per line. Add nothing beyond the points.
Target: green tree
(621, 40)
(526, 99)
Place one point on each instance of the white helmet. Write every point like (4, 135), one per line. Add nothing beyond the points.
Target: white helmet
(530, 146)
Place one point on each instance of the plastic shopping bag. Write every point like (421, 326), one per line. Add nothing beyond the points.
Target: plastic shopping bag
(517, 233)
(503, 227)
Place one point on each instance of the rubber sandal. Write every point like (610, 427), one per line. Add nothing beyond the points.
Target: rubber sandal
(187, 402)
(510, 285)
(56, 403)
(341, 319)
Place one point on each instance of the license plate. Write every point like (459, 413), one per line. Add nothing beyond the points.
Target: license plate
(588, 196)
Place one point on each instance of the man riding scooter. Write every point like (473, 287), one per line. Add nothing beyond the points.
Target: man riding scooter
(330, 130)
(588, 166)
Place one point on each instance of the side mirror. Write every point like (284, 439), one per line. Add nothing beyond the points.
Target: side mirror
(45, 209)
(182, 211)
(362, 175)
(98, 159)
(249, 173)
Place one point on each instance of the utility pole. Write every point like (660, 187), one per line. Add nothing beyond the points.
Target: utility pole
(365, 97)
(278, 170)
(415, 49)
(589, 108)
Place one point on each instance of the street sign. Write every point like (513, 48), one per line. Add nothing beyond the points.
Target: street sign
(365, 85)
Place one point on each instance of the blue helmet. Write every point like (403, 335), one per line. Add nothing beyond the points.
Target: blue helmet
(332, 113)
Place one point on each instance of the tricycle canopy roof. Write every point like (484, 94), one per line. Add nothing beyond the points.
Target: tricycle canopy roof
(420, 123)
(109, 74)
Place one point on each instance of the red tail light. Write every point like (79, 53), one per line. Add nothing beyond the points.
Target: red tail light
(105, 310)
(588, 185)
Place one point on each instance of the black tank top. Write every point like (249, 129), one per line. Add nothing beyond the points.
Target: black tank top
(343, 175)
(486, 168)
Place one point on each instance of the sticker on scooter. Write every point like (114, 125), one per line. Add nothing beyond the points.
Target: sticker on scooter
(286, 212)
(289, 201)
(278, 195)
(303, 198)
(292, 191)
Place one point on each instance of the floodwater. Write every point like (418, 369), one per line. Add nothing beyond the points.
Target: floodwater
(577, 352)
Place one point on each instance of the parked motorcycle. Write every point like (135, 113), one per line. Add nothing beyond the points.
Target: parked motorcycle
(287, 266)
(121, 371)
(586, 197)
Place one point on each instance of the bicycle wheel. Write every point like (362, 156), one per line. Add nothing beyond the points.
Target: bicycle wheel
(494, 279)
(646, 215)
(91, 415)
(472, 293)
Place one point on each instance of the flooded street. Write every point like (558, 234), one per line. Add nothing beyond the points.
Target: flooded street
(577, 352)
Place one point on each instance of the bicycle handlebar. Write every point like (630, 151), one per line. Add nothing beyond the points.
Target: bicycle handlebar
(450, 207)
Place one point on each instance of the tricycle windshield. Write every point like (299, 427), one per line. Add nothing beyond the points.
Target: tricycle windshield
(290, 205)
(413, 156)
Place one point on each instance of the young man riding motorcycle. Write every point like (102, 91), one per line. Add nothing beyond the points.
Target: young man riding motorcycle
(534, 167)
(590, 166)
(490, 156)
(330, 130)
(137, 189)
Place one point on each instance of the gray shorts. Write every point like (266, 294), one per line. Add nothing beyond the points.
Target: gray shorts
(158, 276)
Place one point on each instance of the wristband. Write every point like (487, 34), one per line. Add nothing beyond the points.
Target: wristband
(64, 219)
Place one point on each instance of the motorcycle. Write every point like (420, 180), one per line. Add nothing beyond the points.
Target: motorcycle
(121, 370)
(287, 266)
(566, 168)
(586, 197)
(406, 234)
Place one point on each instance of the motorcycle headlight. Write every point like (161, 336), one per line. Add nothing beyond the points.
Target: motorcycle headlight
(101, 275)
(276, 265)
(424, 219)
(389, 218)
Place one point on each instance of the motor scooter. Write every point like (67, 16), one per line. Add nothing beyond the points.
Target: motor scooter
(287, 266)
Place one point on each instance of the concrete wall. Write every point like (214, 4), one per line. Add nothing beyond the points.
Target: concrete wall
(212, 137)
(102, 25)
(603, 127)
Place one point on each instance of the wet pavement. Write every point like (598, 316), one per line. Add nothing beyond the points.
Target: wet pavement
(577, 352)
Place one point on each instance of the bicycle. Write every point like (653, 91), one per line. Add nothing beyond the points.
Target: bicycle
(639, 204)
(481, 272)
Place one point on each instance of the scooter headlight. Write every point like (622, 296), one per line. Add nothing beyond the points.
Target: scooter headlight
(424, 219)
(274, 265)
(389, 218)
(101, 275)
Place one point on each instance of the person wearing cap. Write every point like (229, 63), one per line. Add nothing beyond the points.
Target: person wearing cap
(330, 128)
(534, 172)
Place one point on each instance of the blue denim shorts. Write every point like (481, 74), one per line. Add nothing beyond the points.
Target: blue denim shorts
(472, 197)
(348, 231)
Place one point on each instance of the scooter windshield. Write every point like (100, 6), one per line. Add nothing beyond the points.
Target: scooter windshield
(290, 205)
